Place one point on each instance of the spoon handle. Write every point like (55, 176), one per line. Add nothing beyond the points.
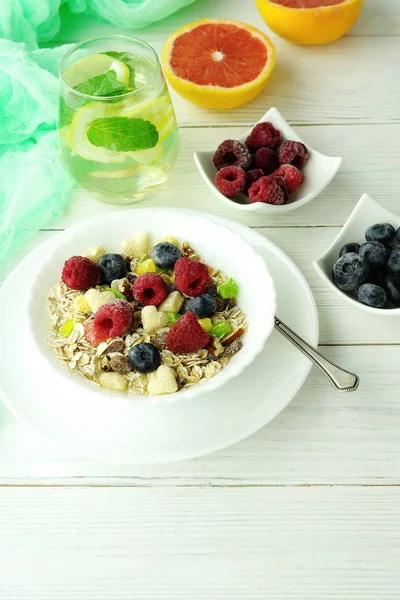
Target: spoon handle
(341, 379)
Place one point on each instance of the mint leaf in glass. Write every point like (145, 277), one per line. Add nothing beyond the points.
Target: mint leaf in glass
(66, 114)
(127, 59)
(122, 134)
(106, 84)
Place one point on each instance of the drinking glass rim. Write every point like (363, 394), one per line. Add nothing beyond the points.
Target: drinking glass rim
(96, 39)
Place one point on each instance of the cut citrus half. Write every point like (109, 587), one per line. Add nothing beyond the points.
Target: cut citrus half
(95, 64)
(310, 21)
(217, 63)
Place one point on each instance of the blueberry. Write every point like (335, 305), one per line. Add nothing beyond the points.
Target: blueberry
(350, 271)
(112, 266)
(165, 255)
(202, 306)
(351, 247)
(377, 276)
(144, 358)
(398, 235)
(381, 232)
(392, 287)
(393, 264)
(374, 253)
(372, 295)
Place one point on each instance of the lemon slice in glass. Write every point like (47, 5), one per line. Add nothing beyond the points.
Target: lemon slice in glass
(158, 111)
(78, 133)
(148, 157)
(95, 64)
(149, 175)
(65, 136)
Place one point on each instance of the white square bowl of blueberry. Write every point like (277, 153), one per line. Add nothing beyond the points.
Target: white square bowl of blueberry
(363, 262)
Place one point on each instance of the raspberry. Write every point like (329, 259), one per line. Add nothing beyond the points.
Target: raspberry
(113, 319)
(268, 190)
(192, 277)
(281, 182)
(230, 181)
(80, 273)
(293, 153)
(291, 176)
(93, 336)
(263, 135)
(266, 160)
(187, 335)
(278, 178)
(231, 153)
(252, 176)
(149, 289)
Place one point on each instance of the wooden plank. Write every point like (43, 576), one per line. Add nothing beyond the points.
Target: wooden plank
(219, 544)
(321, 438)
(340, 323)
(378, 18)
(371, 155)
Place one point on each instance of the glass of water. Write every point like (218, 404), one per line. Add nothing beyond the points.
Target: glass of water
(117, 126)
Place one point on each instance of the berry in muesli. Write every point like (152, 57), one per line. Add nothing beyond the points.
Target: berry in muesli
(202, 306)
(192, 277)
(144, 358)
(165, 255)
(80, 273)
(149, 289)
(112, 266)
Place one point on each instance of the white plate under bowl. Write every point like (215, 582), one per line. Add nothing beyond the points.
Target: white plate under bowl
(367, 212)
(164, 433)
(318, 173)
(218, 246)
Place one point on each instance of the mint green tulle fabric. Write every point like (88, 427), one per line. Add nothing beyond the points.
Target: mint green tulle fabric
(37, 21)
(34, 186)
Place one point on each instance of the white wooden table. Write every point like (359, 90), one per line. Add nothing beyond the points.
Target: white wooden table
(309, 507)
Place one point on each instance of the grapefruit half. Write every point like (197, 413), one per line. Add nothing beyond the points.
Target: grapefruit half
(217, 63)
(310, 21)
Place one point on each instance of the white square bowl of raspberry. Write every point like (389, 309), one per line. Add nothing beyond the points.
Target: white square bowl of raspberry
(269, 170)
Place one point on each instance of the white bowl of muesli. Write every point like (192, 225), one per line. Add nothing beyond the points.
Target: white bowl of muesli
(152, 304)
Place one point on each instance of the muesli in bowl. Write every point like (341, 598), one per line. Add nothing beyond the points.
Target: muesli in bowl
(150, 320)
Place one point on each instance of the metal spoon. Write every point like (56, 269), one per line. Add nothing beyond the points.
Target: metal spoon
(342, 380)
